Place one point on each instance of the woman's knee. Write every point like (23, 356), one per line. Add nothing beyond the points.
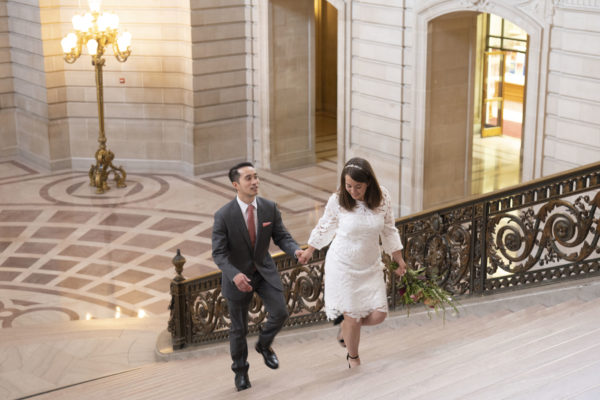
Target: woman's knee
(349, 321)
(379, 317)
(375, 318)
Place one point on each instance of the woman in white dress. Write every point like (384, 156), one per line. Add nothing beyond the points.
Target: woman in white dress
(355, 219)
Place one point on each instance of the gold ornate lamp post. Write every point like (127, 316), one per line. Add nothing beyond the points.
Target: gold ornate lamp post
(97, 31)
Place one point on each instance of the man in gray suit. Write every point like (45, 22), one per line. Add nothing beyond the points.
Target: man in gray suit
(241, 235)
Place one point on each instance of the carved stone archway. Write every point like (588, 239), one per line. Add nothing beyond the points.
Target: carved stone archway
(535, 17)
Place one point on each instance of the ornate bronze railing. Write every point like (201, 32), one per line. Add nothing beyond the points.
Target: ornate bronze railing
(536, 233)
(199, 311)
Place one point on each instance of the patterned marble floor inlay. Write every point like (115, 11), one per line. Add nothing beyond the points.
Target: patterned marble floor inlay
(67, 253)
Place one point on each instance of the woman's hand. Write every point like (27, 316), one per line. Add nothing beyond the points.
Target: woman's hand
(306, 255)
(397, 256)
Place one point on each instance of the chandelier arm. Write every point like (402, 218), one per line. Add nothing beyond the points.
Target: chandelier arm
(119, 55)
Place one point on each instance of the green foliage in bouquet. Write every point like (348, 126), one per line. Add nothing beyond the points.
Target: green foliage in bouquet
(414, 287)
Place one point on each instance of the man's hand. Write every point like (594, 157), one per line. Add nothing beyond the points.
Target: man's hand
(305, 255)
(242, 282)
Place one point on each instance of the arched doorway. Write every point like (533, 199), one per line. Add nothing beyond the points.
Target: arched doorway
(537, 28)
(475, 106)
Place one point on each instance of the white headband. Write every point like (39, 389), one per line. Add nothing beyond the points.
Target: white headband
(354, 166)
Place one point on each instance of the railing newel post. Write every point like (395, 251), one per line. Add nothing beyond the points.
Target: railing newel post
(178, 308)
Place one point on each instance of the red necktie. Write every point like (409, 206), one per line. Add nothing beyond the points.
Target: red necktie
(251, 227)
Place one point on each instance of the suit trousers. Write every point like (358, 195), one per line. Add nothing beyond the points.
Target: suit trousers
(277, 314)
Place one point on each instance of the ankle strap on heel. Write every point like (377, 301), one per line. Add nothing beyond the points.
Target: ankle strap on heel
(351, 357)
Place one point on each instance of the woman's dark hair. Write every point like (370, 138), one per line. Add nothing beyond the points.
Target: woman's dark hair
(234, 173)
(361, 171)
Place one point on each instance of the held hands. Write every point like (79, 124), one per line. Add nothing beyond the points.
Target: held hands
(305, 256)
(242, 282)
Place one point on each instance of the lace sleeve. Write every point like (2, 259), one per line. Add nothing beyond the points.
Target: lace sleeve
(390, 238)
(324, 232)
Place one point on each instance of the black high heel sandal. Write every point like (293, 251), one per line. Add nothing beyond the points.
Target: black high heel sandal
(349, 357)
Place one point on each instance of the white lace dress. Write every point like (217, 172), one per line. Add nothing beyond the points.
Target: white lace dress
(354, 282)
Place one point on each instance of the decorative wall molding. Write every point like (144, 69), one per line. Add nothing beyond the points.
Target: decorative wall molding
(475, 5)
(541, 10)
(578, 4)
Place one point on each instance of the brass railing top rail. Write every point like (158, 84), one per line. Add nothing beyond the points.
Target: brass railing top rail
(506, 192)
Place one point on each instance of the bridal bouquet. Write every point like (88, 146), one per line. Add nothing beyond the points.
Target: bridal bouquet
(414, 287)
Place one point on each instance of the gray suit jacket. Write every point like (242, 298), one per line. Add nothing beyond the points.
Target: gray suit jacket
(231, 249)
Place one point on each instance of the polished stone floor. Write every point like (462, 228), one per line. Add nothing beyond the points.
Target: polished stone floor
(496, 163)
(68, 254)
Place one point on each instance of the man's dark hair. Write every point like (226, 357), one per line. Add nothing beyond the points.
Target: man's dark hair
(234, 173)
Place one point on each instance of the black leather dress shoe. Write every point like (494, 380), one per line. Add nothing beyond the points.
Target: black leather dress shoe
(242, 381)
(268, 354)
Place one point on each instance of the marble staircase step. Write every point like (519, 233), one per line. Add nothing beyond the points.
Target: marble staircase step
(35, 359)
(541, 346)
(448, 354)
(530, 344)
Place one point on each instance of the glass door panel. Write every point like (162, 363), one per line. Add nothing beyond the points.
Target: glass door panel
(492, 93)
